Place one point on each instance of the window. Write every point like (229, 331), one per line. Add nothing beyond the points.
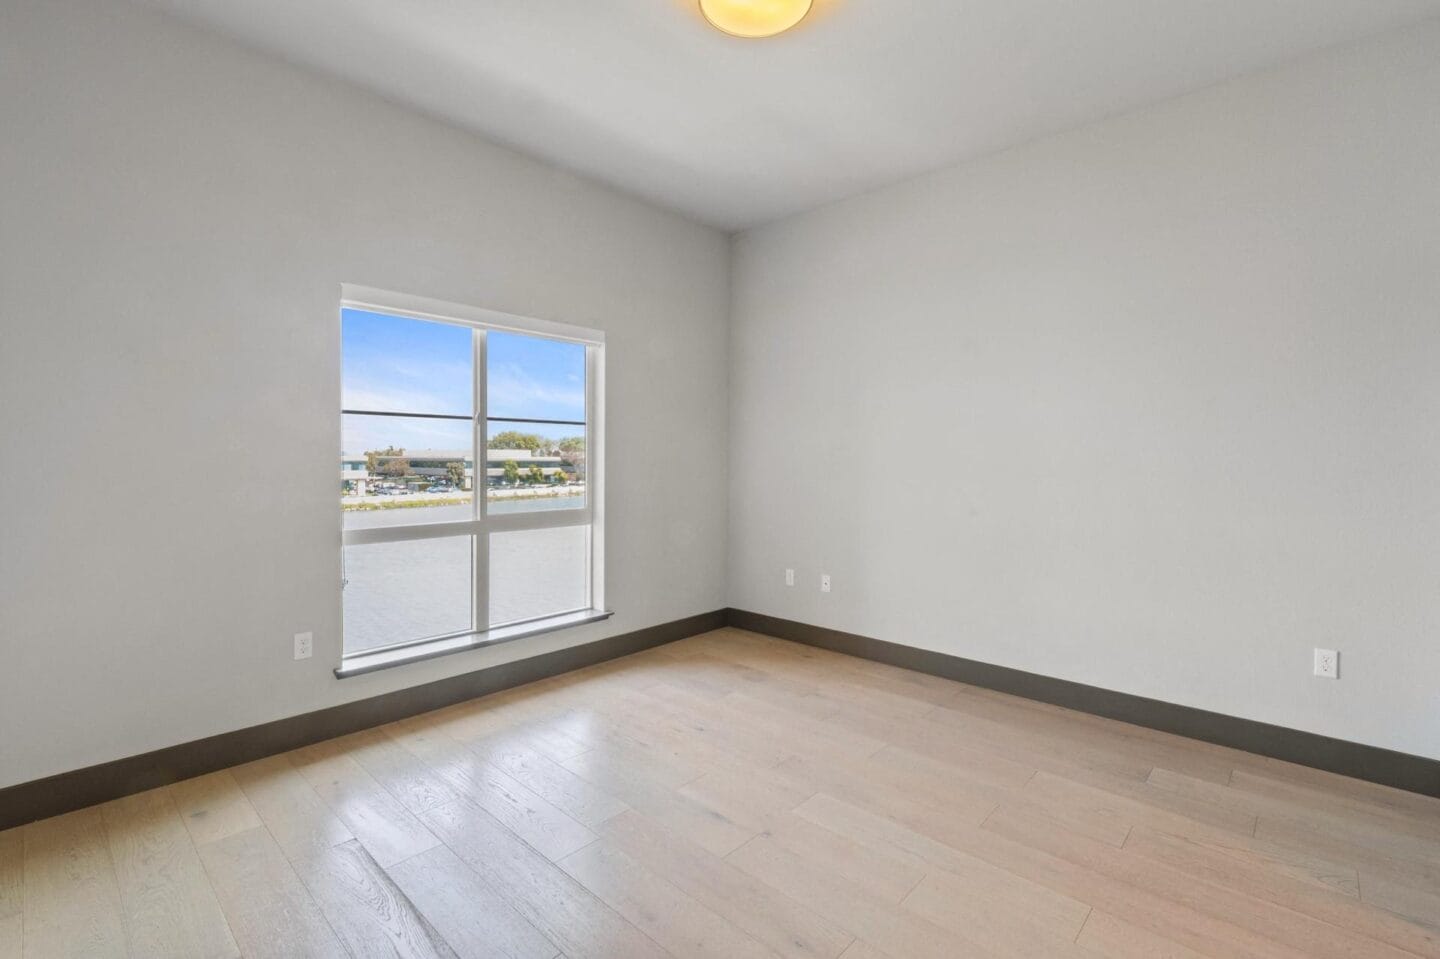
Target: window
(469, 477)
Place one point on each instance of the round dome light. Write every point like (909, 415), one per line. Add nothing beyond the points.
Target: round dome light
(754, 18)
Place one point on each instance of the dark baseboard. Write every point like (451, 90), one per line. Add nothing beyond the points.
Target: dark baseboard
(62, 793)
(1403, 771)
(65, 792)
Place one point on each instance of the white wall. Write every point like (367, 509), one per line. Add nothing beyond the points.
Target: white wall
(176, 217)
(1153, 405)
(1149, 405)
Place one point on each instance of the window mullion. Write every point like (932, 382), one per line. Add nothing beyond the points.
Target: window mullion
(399, 534)
(537, 519)
(595, 472)
(480, 482)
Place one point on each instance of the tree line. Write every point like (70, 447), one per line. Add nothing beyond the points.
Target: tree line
(393, 463)
(514, 440)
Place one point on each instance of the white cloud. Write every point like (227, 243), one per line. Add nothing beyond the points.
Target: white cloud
(515, 390)
(394, 400)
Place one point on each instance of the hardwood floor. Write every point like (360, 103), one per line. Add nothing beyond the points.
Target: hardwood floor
(732, 795)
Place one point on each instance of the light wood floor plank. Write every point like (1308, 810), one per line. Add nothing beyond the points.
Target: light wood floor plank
(1006, 914)
(538, 734)
(382, 824)
(12, 893)
(1336, 785)
(680, 924)
(1302, 933)
(664, 764)
(1033, 748)
(367, 911)
(961, 768)
(298, 819)
(405, 775)
(1107, 813)
(860, 949)
(473, 917)
(554, 903)
(270, 911)
(1382, 841)
(551, 781)
(807, 735)
(546, 828)
(522, 719)
(886, 797)
(628, 781)
(1416, 905)
(1417, 819)
(678, 741)
(537, 821)
(896, 931)
(12, 873)
(213, 806)
(889, 874)
(1416, 873)
(1106, 937)
(1387, 834)
(751, 796)
(1320, 902)
(12, 933)
(942, 902)
(959, 846)
(1056, 725)
(787, 927)
(72, 900)
(781, 663)
(693, 718)
(170, 908)
(1330, 872)
(699, 665)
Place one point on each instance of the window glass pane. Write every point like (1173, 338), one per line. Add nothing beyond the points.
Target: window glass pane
(527, 470)
(530, 377)
(403, 470)
(538, 572)
(397, 592)
(395, 364)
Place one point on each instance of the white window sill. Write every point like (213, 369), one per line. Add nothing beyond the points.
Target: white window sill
(368, 662)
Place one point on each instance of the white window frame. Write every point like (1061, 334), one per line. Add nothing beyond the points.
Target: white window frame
(482, 523)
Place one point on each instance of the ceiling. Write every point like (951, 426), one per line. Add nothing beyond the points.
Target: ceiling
(644, 95)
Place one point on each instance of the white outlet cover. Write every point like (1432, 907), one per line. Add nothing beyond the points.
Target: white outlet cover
(1327, 664)
(304, 645)
(824, 582)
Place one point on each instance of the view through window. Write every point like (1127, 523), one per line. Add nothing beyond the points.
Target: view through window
(463, 478)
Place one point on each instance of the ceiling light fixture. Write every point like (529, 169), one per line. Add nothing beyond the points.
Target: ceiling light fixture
(753, 19)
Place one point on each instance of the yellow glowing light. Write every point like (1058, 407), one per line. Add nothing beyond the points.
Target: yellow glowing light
(754, 18)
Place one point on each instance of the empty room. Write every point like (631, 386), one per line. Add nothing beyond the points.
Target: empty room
(801, 479)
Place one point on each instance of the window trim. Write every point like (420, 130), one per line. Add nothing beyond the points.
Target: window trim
(425, 308)
(482, 523)
(369, 661)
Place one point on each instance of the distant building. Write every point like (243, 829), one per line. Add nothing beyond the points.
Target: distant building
(434, 466)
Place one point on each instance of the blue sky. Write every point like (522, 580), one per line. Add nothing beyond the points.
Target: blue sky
(396, 364)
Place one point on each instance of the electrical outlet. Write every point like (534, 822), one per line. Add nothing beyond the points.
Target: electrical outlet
(789, 577)
(1327, 664)
(304, 645)
(824, 582)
